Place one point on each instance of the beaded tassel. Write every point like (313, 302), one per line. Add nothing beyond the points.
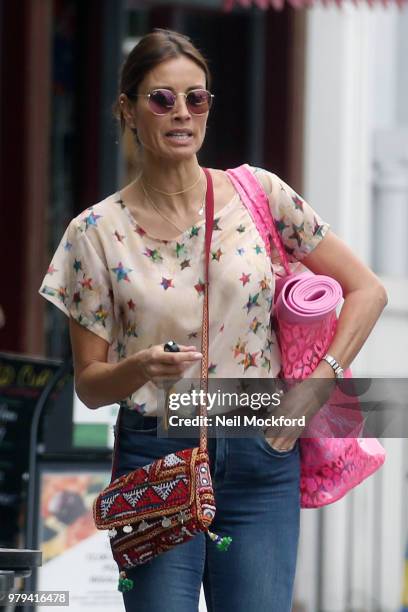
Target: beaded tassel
(222, 543)
(125, 584)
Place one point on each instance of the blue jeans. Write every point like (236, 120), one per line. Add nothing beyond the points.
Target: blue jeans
(258, 504)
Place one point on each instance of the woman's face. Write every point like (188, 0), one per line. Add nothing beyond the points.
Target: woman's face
(179, 75)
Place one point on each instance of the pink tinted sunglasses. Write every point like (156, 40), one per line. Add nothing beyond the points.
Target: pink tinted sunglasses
(162, 101)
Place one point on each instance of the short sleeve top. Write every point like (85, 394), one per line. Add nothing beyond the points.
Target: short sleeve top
(135, 291)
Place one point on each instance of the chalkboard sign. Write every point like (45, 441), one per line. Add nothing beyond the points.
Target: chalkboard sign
(22, 380)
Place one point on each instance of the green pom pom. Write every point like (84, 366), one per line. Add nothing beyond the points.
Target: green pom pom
(125, 584)
(223, 545)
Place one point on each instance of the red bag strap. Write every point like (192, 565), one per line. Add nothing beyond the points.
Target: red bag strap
(255, 199)
(209, 224)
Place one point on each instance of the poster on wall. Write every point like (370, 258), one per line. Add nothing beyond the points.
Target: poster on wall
(76, 557)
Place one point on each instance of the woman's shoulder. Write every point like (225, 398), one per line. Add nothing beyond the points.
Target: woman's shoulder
(98, 217)
(96, 227)
(269, 180)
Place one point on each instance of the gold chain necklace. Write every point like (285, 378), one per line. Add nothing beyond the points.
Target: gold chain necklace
(176, 192)
(159, 212)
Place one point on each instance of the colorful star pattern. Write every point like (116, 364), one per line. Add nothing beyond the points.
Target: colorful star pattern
(101, 315)
(297, 233)
(86, 283)
(62, 294)
(318, 228)
(51, 270)
(200, 287)
(166, 283)
(252, 302)
(115, 280)
(245, 278)
(121, 272)
(280, 225)
(139, 407)
(268, 300)
(297, 202)
(266, 363)
(239, 348)
(216, 255)
(255, 325)
(180, 248)
(249, 361)
(264, 284)
(120, 349)
(47, 290)
(131, 330)
(216, 227)
(154, 255)
(91, 220)
(76, 298)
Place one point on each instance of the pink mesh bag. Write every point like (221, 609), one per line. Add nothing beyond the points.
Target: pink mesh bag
(305, 321)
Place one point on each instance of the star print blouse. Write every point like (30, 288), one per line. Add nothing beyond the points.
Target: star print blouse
(134, 290)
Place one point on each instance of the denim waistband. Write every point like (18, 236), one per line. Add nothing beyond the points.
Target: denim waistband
(133, 419)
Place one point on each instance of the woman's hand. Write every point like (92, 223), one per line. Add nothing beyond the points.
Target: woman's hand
(304, 399)
(99, 383)
(159, 366)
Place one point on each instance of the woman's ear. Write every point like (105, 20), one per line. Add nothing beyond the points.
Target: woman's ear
(128, 111)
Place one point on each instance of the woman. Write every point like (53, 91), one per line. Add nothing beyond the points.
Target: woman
(129, 273)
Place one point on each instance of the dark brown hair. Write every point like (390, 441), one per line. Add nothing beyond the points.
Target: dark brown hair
(153, 49)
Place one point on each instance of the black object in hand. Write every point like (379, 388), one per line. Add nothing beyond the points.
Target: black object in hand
(171, 347)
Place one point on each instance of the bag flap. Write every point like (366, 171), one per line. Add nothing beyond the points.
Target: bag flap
(166, 486)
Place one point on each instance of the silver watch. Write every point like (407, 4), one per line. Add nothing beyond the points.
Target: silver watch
(337, 369)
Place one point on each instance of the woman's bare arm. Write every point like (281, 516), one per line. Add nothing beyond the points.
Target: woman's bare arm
(99, 383)
(365, 299)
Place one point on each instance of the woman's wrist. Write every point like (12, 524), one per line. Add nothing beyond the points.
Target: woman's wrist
(323, 370)
(106, 383)
(137, 366)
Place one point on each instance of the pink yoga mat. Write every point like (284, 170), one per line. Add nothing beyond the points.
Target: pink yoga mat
(305, 310)
(306, 298)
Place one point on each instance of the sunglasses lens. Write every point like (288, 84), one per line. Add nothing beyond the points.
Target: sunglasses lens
(161, 101)
(199, 101)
